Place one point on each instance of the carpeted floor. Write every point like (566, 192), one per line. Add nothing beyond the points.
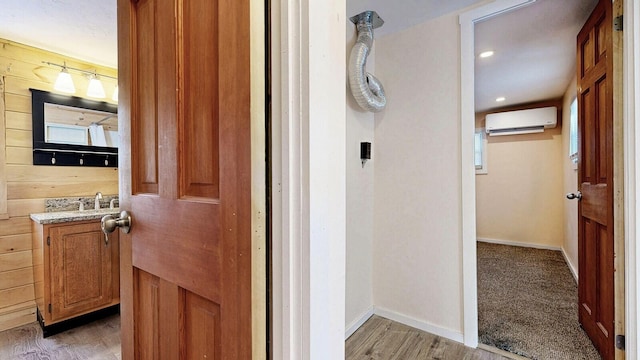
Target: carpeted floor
(528, 304)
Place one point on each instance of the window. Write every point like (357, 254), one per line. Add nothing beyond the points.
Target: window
(480, 146)
(573, 132)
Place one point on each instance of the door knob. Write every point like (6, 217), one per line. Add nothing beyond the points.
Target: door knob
(109, 223)
(572, 196)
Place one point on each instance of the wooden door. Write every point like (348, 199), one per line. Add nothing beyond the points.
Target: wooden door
(595, 177)
(81, 274)
(184, 111)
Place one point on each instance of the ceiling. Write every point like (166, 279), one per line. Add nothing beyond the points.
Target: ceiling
(402, 14)
(534, 46)
(535, 52)
(82, 29)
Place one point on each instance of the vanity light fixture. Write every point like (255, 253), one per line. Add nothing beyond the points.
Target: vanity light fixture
(64, 83)
(95, 88)
(501, 99)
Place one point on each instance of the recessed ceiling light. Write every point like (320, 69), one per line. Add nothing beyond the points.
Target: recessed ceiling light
(486, 54)
(501, 99)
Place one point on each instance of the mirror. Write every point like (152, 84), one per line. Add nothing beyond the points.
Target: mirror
(72, 131)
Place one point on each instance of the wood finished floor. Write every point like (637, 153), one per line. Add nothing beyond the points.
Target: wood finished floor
(377, 339)
(99, 340)
(383, 339)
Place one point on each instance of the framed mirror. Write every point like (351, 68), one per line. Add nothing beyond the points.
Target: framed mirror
(72, 131)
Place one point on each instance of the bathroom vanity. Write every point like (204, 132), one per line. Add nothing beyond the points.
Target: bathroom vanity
(76, 268)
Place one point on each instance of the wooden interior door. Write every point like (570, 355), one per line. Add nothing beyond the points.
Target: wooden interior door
(595, 177)
(184, 111)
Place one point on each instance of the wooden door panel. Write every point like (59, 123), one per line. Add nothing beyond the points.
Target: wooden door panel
(605, 290)
(593, 196)
(602, 35)
(587, 126)
(200, 336)
(590, 256)
(147, 315)
(144, 141)
(199, 156)
(184, 263)
(585, 55)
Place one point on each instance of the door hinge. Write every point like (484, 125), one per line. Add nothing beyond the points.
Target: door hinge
(617, 23)
(48, 241)
(620, 342)
(49, 308)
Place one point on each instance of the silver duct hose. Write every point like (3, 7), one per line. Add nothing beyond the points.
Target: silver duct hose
(366, 88)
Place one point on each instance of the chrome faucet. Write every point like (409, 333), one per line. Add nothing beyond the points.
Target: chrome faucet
(81, 206)
(98, 198)
(112, 203)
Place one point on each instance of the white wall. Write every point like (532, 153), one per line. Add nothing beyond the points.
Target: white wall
(360, 124)
(570, 184)
(520, 198)
(417, 250)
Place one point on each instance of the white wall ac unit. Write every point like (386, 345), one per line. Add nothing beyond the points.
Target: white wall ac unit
(521, 121)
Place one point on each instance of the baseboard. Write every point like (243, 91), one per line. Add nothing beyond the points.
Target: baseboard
(521, 244)
(572, 267)
(418, 324)
(355, 325)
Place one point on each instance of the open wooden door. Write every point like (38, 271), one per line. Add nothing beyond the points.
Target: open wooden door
(186, 178)
(596, 241)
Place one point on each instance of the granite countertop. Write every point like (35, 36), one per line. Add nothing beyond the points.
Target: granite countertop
(68, 216)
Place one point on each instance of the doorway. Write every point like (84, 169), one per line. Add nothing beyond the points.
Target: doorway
(468, 22)
(519, 195)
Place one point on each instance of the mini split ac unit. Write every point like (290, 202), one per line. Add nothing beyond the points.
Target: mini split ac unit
(521, 121)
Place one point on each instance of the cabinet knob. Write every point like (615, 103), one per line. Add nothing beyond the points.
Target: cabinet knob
(109, 223)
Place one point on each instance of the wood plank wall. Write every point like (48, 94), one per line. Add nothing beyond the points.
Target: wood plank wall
(27, 186)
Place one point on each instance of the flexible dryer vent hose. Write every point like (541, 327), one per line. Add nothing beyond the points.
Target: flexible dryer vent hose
(366, 88)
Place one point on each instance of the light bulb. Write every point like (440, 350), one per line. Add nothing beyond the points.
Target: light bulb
(95, 88)
(64, 83)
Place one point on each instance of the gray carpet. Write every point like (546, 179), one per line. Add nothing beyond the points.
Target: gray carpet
(528, 304)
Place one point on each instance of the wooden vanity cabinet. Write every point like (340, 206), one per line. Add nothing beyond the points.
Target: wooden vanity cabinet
(75, 271)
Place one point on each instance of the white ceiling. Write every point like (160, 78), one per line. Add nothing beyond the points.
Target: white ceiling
(535, 45)
(535, 52)
(402, 14)
(83, 29)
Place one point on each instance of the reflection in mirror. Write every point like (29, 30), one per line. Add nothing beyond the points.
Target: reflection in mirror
(77, 126)
(73, 131)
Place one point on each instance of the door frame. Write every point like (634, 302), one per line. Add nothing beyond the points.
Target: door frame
(631, 66)
(631, 136)
(467, 171)
(308, 178)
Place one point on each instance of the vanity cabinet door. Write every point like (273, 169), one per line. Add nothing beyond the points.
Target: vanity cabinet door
(81, 276)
